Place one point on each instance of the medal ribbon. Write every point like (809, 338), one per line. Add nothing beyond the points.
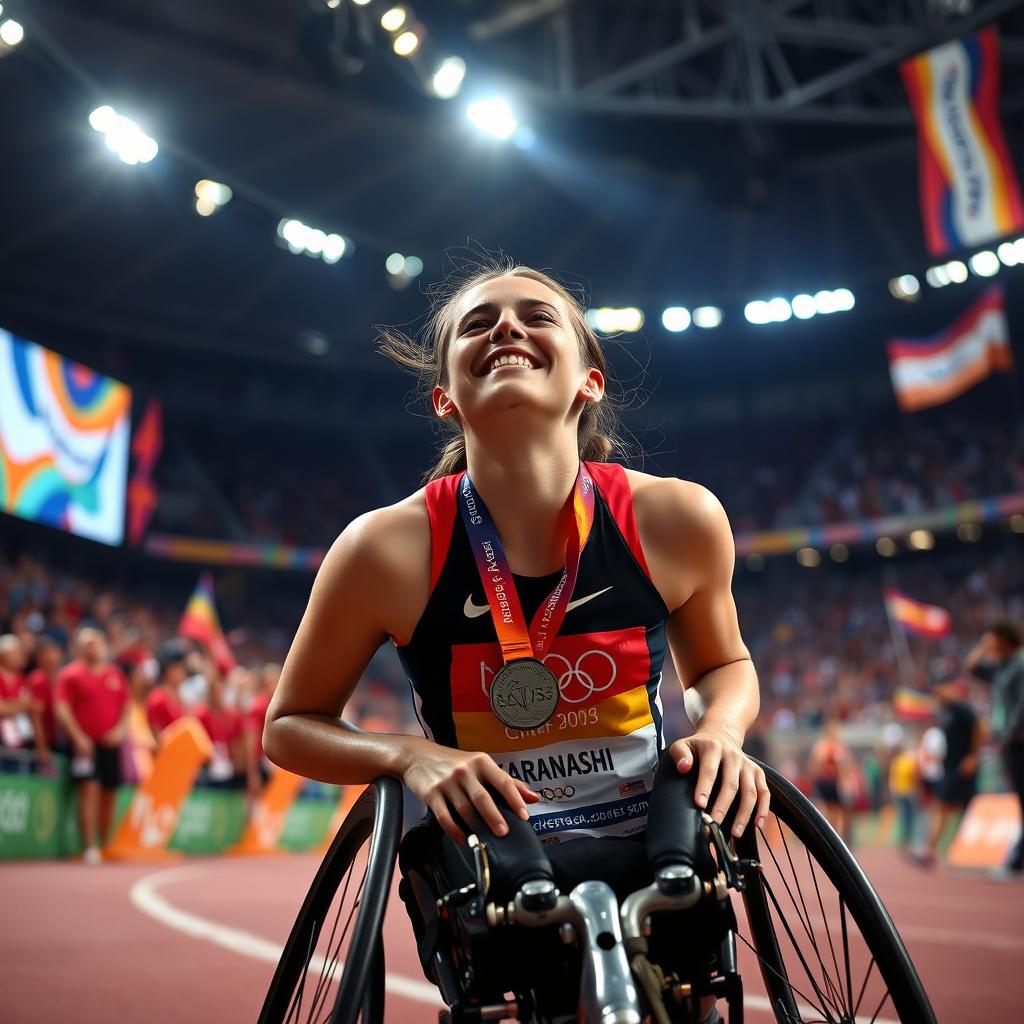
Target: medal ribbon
(516, 639)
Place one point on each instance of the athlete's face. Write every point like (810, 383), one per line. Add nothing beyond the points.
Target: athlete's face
(514, 345)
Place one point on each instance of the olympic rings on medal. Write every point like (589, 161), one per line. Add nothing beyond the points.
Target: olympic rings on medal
(557, 793)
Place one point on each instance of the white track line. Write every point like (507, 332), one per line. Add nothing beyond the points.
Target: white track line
(145, 895)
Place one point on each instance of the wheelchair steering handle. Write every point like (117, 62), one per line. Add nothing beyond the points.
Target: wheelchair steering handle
(675, 828)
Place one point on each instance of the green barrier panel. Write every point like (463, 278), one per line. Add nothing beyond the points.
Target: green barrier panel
(70, 841)
(30, 815)
(210, 821)
(306, 824)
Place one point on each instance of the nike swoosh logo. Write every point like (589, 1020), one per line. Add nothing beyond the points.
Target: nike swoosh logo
(473, 610)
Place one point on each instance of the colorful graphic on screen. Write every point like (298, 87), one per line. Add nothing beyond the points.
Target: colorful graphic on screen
(64, 433)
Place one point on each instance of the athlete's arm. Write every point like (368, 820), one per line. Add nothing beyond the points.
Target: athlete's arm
(691, 553)
(373, 583)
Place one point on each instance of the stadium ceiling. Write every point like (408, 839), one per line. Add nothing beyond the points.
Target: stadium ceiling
(688, 152)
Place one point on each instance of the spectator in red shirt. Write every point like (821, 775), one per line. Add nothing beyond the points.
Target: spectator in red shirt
(223, 724)
(257, 770)
(163, 705)
(92, 704)
(41, 683)
(21, 724)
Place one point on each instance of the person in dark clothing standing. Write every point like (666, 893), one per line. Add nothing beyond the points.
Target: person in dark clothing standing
(963, 733)
(998, 659)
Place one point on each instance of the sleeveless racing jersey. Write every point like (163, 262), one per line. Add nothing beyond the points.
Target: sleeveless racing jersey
(593, 762)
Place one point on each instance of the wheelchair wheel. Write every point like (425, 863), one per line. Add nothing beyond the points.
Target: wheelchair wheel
(334, 956)
(826, 948)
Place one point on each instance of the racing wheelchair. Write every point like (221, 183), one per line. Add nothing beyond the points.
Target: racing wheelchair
(785, 904)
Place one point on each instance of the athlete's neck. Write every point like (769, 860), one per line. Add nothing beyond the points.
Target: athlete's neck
(527, 487)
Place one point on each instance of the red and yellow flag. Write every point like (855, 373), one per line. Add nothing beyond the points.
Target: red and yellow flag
(916, 617)
(202, 624)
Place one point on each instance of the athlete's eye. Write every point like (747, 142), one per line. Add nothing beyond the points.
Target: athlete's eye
(547, 316)
(474, 324)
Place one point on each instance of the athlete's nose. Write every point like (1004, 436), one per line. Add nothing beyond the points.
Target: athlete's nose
(507, 328)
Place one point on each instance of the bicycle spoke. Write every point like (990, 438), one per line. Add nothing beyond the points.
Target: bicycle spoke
(826, 978)
(330, 941)
(803, 995)
(871, 967)
(828, 931)
(874, 1016)
(846, 954)
(796, 948)
(321, 1001)
(313, 931)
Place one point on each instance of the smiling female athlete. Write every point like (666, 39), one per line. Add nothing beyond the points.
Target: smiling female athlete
(530, 589)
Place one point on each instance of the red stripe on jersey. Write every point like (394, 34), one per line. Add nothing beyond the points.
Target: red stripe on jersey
(614, 486)
(590, 667)
(440, 497)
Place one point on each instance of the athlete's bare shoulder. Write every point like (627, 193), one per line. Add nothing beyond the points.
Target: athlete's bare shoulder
(386, 553)
(684, 531)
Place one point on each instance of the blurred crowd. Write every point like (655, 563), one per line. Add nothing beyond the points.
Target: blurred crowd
(792, 472)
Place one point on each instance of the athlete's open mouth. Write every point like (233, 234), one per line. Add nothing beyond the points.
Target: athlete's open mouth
(509, 357)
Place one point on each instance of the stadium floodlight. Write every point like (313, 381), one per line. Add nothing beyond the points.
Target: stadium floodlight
(609, 320)
(804, 307)
(957, 271)
(921, 540)
(756, 312)
(11, 32)
(676, 319)
(395, 263)
(844, 300)
(1007, 253)
(779, 310)
(825, 302)
(362, 3)
(211, 196)
(301, 238)
(1016, 522)
(906, 287)
(984, 263)
(808, 557)
(1018, 248)
(707, 317)
(938, 277)
(406, 43)
(123, 136)
(413, 266)
(839, 552)
(393, 19)
(885, 546)
(493, 116)
(969, 532)
(447, 80)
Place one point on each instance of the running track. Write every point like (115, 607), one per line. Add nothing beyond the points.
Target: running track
(197, 941)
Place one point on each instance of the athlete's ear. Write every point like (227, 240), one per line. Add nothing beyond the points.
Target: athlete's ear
(592, 389)
(443, 405)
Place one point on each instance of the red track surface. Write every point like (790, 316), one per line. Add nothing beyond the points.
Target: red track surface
(75, 947)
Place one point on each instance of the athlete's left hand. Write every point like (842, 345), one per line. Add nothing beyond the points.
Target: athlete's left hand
(718, 751)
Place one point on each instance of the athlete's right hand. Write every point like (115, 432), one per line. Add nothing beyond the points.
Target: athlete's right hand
(445, 778)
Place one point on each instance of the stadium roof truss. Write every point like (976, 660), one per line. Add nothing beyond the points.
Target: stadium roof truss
(757, 61)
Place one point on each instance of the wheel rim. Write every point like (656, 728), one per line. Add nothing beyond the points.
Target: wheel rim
(327, 944)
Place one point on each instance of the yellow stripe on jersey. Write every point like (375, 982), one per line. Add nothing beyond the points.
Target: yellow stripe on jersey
(617, 716)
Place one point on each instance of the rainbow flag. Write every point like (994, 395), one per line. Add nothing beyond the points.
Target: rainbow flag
(915, 617)
(201, 623)
(969, 191)
(931, 371)
(912, 705)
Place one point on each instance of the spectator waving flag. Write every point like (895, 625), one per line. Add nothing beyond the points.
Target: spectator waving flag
(912, 705)
(915, 617)
(969, 190)
(202, 624)
(930, 371)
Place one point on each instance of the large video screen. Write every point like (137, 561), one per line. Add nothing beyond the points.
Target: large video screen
(64, 439)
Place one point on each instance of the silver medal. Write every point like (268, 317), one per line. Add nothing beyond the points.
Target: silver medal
(524, 694)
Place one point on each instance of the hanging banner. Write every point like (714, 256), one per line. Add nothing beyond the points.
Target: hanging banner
(969, 191)
(152, 818)
(932, 371)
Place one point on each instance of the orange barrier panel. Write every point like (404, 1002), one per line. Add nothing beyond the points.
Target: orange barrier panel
(269, 812)
(989, 828)
(152, 816)
(349, 795)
